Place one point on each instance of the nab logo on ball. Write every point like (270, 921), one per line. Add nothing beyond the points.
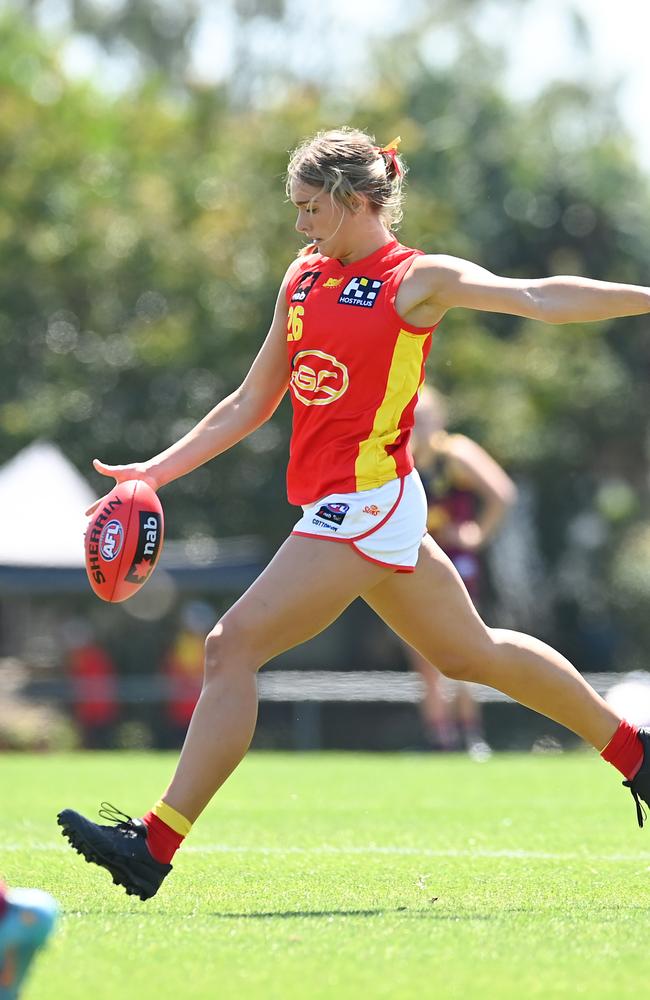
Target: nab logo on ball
(317, 378)
(111, 540)
(123, 541)
(149, 536)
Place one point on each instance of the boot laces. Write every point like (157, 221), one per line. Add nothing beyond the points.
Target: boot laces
(641, 814)
(123, 822)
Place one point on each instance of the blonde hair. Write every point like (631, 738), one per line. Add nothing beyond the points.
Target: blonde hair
(346, 163)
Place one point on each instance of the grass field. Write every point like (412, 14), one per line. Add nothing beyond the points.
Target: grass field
(347, 876)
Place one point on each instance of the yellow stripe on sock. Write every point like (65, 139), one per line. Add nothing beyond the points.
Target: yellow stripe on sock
(173, 819)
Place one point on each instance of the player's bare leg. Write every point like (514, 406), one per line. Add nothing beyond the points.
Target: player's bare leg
(431, 610)
(304, 588)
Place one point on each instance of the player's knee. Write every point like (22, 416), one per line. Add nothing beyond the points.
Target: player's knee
(456, 667)
(214, 651)
(469, 663)
(225, 650)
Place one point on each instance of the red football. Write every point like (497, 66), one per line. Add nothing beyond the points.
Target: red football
(123, 541)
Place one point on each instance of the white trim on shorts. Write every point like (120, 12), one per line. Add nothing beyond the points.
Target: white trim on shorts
(384, 525)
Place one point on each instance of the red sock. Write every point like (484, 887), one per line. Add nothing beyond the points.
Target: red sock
(3, 898)
(624, 750)
(162, 841)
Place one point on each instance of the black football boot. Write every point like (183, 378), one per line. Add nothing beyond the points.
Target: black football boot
(121, 849)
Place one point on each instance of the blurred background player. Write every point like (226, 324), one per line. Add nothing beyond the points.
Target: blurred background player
(94, 684)
(468, 495)
(183, 667)
(27, 917)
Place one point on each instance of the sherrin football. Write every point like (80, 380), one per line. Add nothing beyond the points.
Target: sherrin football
(123, 541)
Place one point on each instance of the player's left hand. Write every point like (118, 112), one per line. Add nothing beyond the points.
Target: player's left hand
(121, 474)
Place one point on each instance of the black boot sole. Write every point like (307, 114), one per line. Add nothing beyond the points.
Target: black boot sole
(121, 874)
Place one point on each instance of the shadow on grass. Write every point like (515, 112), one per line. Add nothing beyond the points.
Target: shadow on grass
(401, 911)
(301, 914)
(603, 914)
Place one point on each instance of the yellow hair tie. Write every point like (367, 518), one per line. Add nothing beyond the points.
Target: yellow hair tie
(391, 152)
(392, 146)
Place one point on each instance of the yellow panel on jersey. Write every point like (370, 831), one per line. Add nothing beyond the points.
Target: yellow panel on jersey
(374, 465)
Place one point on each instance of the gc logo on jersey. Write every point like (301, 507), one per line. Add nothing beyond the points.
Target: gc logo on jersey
(317, 378)
(305, 285)
(360, 292)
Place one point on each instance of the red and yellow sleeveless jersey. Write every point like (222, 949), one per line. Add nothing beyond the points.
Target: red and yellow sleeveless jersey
(356, 368)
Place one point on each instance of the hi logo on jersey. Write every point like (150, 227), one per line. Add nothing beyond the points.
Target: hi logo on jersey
(360, 292)
(305, 285)
(318, 378)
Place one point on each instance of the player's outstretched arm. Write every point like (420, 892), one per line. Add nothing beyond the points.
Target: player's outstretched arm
(447, 282)
(229, 421)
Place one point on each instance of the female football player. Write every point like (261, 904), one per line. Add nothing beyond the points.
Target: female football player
(350, 334)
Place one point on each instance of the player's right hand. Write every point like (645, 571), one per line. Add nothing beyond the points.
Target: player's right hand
(121, 474)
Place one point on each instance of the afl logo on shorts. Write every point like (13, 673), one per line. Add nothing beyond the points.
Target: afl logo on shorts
(317, 378)
(111, 540)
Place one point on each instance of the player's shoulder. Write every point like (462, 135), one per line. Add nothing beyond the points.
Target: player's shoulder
(307, 260)
(442, 261)
(429, 273)
(438, 262)
(295, 269)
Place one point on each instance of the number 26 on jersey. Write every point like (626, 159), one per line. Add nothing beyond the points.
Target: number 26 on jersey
(294, 322)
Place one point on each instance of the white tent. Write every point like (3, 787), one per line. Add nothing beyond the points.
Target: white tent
(42, 504)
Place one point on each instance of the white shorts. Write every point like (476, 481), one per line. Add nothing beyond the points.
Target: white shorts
(384, 525)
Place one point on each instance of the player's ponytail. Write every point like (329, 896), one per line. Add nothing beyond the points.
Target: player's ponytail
(347, 163)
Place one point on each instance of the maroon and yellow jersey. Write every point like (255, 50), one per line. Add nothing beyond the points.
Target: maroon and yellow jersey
(356, 367)
(450, 504)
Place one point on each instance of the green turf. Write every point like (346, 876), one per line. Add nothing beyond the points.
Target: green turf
(347, 876)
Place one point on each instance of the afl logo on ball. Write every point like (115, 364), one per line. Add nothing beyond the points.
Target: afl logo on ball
(111, 540)
(317, 378)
